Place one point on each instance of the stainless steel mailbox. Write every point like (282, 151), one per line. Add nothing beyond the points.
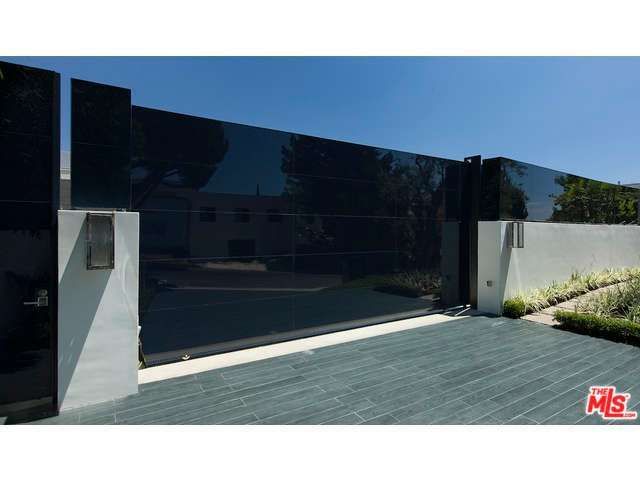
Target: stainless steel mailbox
(100, 241)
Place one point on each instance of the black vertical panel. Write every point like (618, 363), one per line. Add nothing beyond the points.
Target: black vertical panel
(474, 187)
(53, 222)
(464, 247)
(29, 155)
(490, 189)
(100, 146)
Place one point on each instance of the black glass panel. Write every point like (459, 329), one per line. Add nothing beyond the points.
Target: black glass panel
(184, 234)
(101, 114)
(337, 196)
(329, 158)
(425, 173)
(240, 224)
(26, 164)
(359, 287)
(346, 270)
(421, 204)
(395, 158)
(29, 156)
(208, 214)
(26, 96)
(452, 204)
(182, 283)
(26, 216)
(454, 172)
(242, 215)
(420, 241)
(329, 234)
(198, 185)
(168, 334)
(490, 189)
(323, 157)
(450, 264)
(362, 305)
(25, 331)
(529, 192)
(422, 188)
(208, 155)
(100, 146)
(100, 176)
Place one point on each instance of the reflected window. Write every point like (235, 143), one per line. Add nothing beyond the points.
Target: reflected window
(242, 215)
(208, 214)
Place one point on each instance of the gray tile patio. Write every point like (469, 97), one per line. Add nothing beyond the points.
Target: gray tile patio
(475, 370)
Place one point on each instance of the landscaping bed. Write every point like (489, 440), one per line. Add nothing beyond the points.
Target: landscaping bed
(612, 313)
(578, 284)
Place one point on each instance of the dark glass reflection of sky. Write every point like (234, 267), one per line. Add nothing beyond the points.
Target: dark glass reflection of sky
(540, 187)
(254, 158)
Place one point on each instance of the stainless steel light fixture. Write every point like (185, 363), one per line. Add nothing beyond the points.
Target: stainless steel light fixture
(515, 235)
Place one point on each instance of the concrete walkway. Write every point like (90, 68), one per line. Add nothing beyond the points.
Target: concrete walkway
(474, 370)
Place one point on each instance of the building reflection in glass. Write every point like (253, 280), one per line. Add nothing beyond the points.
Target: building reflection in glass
(250, 234)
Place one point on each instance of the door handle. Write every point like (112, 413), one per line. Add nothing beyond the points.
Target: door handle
(42, 300)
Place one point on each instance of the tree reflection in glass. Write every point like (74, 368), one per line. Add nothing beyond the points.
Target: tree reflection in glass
(175, 151)
(589, 201)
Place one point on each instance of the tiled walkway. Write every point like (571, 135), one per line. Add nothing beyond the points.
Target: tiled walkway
(475, 370)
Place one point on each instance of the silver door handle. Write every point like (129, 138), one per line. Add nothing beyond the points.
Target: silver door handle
(42, 300)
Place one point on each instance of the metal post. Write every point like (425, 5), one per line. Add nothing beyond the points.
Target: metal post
(472, 207)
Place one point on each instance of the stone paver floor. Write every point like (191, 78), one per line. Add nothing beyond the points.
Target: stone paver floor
(475, 370)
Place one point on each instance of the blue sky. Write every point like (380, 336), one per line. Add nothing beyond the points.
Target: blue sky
(580, 115)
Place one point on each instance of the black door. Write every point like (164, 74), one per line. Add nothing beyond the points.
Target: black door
(29, 158)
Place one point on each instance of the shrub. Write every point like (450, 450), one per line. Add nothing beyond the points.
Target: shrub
(616, 329)
(514, 308)
(411, 284)
(577, 284)
(621, 301)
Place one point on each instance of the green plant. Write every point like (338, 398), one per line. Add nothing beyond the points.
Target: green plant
(622, 301)
(514, 308)
(616, 329)
(411, 284)
(577, 284)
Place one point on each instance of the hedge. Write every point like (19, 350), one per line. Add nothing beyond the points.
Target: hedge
(616, 329)
(514, 308)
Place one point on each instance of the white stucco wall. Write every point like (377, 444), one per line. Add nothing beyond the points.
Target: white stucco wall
(97, 314)
(552, 251)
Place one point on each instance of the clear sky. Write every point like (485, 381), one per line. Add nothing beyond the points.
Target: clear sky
(580, 115)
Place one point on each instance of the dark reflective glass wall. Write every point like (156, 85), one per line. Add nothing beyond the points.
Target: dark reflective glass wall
(100, 145)
(29, 155)
(250, 234)
(515, 190)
